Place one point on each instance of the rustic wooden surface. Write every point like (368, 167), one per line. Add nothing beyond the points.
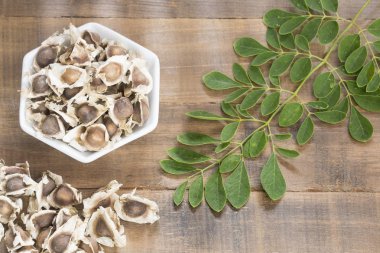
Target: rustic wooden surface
(333, 198)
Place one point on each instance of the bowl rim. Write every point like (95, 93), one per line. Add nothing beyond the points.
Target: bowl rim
(88, 156)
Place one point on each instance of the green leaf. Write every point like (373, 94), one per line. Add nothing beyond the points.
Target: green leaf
(355, 89)
(360, 127)
(251, 99)
(333, 97)
(319, 105)
(272, 180)
(368, 102)
(240, 74)
(342, 69)
(322, 84)
(302, 43)
(237, 187)
(257, 143)
(328, 31)
(275, 80)
(187, 156)
(196, 191)
(214, 192)
(281, 64)
(230, 163)
(219, 81)
(235, 95)
(246, 149)
(195, 139)
(342, 106)
(263, 58)
(176, 168)
(221, 147)
(292, 24)
(374, 84)
(287, 153)
(330, 5)
(282, 137)
(255, 75)
(311, 28)
(374, 28)
(229, 131)
(272, 38)
(205, 115)
(331, 117)
(305, 132)
(270, 103)
(228, 109)
(290, 114)
(300, 69)
(314, 5)
(347, 45)
(242, 112)
(356, 60)
(246, 47)
(300, 4)
(287, 41)
(179, 193)
(366, 74)
(276, 17)
(376, 46)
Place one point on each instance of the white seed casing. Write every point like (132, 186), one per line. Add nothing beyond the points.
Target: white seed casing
(142, 82)
(38, 221)
(104, 226)
(9, 209)
(17, 185)
(95, 137)
(67, 76)
(113, 70)
(66, 237)
(64, 215)
(15, 237)
(130, 207)
(64, 195)
(48, 183)
(104, 197)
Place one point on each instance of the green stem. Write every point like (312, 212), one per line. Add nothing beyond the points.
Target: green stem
(227, 154)
(335, 44)
(362, 31)
(271, 138)
(341, 81)
(323, 62)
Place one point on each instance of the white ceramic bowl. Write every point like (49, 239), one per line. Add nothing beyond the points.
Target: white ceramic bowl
(153, 65)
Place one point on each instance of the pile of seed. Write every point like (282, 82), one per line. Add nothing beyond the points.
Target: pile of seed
(86, 90)
(43, 216)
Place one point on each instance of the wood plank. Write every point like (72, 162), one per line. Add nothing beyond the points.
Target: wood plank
(301, 222)
(332, 162)
(162, 8)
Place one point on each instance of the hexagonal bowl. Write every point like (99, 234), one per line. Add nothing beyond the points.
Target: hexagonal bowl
(153, 65)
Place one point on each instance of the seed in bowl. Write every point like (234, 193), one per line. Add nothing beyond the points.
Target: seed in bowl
(87, 91)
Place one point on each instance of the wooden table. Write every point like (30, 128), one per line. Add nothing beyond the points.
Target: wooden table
(333, 198)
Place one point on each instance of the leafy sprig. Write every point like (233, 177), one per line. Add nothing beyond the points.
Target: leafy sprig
(341, 91)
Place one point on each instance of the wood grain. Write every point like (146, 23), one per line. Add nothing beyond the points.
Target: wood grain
(161, 8)
(301, 222)
(332, 162)
(333, 198)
